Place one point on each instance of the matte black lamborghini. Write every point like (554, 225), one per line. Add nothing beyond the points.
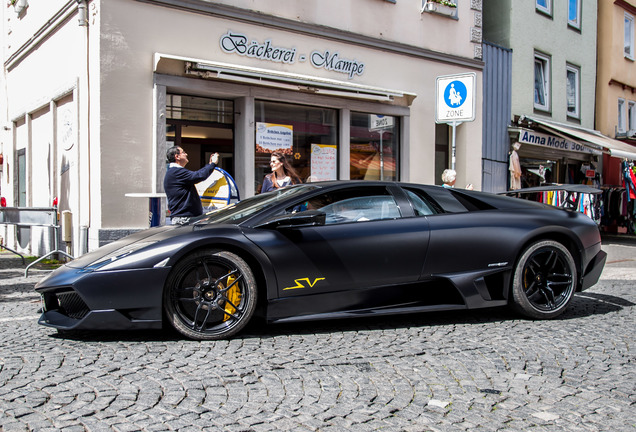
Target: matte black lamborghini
(331, 250)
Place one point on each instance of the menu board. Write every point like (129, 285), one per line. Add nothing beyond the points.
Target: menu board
(324, 162)
(272, 138)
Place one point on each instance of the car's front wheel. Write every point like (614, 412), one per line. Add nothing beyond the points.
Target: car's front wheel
(210, 295)
(544, 280)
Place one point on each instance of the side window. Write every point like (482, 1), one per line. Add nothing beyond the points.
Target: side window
(574, 13)
(629, 37)
(421, 205)
(572, 87)
(621, 116)
(541, 82)
(352, 205)
(544, 6)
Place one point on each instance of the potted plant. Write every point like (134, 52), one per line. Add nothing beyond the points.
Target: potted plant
(19, 5)
(442, 7)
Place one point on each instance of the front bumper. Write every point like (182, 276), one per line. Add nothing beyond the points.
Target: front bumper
(74, 299)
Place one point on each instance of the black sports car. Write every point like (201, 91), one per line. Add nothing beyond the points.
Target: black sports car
(331, 250)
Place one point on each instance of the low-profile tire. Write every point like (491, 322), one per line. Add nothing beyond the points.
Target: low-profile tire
(210, 295)
(544, 280)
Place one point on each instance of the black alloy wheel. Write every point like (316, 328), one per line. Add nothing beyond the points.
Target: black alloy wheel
(210, 295)
(544, 280)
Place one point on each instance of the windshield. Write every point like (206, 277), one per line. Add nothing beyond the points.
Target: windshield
(242, 210)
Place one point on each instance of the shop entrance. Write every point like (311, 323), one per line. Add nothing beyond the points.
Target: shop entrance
(201, 126)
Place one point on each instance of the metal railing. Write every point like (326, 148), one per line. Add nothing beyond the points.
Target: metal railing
(46, 217)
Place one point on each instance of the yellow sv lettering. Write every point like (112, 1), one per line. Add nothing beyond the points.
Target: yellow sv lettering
(300, 285)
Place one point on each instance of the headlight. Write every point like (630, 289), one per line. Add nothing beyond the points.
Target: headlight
(117, 255)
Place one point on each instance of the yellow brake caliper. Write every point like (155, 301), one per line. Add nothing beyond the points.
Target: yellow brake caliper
(234, 297)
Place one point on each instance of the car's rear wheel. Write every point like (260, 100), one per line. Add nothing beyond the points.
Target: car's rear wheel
(544, 280)
(210, 295)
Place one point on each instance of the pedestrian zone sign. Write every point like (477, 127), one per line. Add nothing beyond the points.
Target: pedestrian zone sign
(455, 98)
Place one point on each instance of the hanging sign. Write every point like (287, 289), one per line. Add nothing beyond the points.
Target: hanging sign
(455, 98)
(380, 122)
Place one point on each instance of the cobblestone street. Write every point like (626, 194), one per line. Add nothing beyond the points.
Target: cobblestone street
(462, 371)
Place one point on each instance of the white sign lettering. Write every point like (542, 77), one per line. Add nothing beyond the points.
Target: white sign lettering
(544, 140)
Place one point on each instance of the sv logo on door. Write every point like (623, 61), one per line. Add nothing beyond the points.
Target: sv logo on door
(304, 283)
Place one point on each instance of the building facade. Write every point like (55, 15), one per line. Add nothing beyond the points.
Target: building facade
(96, 91)
(553, 81)
(616, 75)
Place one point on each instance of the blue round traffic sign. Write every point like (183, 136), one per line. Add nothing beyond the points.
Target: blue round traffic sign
(455, 94)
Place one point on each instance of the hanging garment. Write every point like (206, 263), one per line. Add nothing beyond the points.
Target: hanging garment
(515, 171)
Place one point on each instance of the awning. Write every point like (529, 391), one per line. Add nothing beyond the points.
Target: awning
(279, 79)
(587, 137)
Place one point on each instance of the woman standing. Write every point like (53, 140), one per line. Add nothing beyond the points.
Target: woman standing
(282, 174)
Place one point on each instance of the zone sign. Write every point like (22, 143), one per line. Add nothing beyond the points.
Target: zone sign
(455, 98)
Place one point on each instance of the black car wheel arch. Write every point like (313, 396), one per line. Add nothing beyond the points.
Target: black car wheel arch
(210, 294)
(544, 280)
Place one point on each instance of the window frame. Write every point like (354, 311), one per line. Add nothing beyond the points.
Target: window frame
(577, 96)
(545, 61)
(631, 117)
(547, 9)
(576, 23)
(628, 43)
(621, 121)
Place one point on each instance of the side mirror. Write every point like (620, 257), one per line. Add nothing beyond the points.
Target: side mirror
(295, 220)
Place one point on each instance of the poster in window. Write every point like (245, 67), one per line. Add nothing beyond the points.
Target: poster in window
(271, 137)
(324, 162)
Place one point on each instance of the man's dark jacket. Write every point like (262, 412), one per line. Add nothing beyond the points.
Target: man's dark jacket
(183, 198)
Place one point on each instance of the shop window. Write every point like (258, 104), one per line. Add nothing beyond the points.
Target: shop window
(629, 36)
(201, 126)
(541, 82)
(574, 13)
(621, 127)
(305, 135)
(374, 148)
(544, 6)
(573, 91)
(21, 175)
(442, 151)
(183, 107)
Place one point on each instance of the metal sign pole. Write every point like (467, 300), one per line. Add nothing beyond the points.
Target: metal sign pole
(453, 146)
(381, 157)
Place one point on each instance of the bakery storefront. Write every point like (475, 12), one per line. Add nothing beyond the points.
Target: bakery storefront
(329, 129)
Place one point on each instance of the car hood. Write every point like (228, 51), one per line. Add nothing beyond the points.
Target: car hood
(147, 236)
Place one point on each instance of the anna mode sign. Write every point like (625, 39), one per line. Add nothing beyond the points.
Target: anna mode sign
(237, 43)
(550, 141)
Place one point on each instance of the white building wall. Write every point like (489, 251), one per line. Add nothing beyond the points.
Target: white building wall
(45, 67)
(532, 31)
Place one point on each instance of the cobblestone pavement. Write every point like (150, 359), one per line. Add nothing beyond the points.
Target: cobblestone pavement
(468, 371)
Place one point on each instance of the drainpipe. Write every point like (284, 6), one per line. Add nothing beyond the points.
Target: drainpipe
(82, 13)
(85, 222)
